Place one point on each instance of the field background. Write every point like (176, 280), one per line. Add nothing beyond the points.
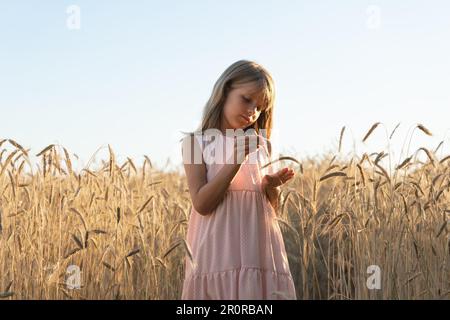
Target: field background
(124, 225)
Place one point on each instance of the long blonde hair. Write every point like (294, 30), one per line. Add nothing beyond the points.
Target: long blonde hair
(239, 73)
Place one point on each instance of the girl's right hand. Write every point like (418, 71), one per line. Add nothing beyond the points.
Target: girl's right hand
(244, 145)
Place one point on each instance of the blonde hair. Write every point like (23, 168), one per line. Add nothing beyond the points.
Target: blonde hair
(239, 73)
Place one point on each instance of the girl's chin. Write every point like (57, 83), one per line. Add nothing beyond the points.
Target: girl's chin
(237, 126)
(240, 125)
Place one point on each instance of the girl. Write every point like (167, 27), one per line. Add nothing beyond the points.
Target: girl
(237, 249)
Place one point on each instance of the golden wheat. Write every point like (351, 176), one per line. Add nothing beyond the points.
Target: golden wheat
(125, 226)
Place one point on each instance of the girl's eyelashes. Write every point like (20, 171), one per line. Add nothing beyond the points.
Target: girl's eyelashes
(249, 100)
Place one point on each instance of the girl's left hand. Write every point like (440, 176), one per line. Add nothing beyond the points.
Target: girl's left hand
(277, 179)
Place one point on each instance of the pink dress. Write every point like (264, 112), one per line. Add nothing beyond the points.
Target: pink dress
(238, 249)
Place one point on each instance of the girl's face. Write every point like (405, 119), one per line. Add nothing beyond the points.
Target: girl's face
(242, 107)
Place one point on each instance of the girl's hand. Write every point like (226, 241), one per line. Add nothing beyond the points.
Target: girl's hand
(244, 146)
(277, 179)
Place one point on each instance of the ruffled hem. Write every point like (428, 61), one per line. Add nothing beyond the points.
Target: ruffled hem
(245, 283)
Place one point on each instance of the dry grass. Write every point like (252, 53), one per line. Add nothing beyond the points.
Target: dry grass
(125, 226)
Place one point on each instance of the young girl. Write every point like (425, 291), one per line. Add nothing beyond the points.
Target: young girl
(237, 249)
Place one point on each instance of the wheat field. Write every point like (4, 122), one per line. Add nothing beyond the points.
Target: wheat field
(124, 226)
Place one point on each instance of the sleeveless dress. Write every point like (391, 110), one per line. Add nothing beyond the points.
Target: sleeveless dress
(238, 250)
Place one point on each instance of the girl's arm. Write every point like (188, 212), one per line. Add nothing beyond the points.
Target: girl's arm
(205, 195)
(272, 194)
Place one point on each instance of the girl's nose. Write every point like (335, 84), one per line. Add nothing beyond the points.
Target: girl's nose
(252, 111)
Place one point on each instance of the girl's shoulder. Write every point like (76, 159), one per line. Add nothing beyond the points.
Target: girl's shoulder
(268, 145)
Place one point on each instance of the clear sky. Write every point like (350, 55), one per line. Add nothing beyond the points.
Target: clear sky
(137, 73)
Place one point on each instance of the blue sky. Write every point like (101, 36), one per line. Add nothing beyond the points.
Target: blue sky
(137, 73)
